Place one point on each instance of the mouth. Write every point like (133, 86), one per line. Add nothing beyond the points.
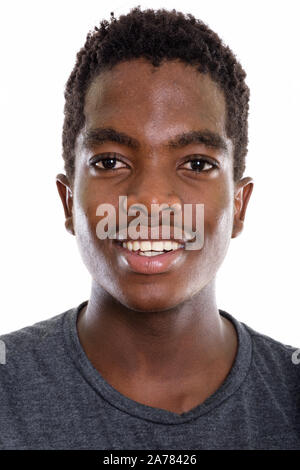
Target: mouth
(150, 257)
(149, 247)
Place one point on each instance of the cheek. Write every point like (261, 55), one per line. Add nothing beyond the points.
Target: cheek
(218, 220)
(85, 219)
(87, 200)
(84, 225)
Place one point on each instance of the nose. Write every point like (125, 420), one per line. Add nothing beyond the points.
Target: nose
(150, 189)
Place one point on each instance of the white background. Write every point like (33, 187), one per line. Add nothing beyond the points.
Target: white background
(42, 272)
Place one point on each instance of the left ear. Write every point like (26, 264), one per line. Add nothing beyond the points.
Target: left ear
(243, 191)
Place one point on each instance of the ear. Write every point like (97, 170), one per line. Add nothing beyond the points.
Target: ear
(66, 196)
(243, 191)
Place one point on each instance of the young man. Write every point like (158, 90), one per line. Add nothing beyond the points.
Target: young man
(156, 110)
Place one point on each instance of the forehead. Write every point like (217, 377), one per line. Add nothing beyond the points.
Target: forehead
(172, 97)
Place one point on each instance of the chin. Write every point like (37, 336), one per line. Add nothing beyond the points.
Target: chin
(145, 298)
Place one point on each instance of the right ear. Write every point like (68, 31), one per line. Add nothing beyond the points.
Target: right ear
(65, 192)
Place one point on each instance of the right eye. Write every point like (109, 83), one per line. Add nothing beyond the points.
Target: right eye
(107, 162)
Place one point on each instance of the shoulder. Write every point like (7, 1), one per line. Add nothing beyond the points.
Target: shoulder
(29, 336)
(270, 345)
(275, 361)
(26, 351)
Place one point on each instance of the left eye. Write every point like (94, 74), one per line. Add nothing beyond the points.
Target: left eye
(200, 164)
(108, 163)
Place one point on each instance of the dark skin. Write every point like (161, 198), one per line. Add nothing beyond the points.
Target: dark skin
(157, 338)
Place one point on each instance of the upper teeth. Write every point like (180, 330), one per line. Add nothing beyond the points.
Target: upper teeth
(151, 245)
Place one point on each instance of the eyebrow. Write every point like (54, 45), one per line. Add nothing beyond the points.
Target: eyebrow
(206, 137)
(107, 134)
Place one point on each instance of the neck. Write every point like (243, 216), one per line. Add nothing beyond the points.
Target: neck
(190, 339)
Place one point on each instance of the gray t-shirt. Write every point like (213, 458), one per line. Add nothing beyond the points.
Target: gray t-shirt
(53, 398)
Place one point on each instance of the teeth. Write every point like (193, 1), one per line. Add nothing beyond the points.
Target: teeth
(188, 235)
(168, 246)
(149, 246)
(145, 245)
(157, 246)
(151, 253)
(136, 246)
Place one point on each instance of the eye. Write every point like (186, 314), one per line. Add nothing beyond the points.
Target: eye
(107, 161)
(200, 164)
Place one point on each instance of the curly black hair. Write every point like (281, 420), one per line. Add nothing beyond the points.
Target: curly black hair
(155, 36)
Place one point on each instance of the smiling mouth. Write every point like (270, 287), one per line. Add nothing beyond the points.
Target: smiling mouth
(150, 257)
(150, 248)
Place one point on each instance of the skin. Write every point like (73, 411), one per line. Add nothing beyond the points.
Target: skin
(157, 338)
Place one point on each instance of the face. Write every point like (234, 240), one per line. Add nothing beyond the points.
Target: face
(173, 150)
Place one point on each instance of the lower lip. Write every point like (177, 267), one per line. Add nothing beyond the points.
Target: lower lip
(150, 265)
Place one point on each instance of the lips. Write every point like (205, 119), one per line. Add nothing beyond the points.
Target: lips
(149, 265)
